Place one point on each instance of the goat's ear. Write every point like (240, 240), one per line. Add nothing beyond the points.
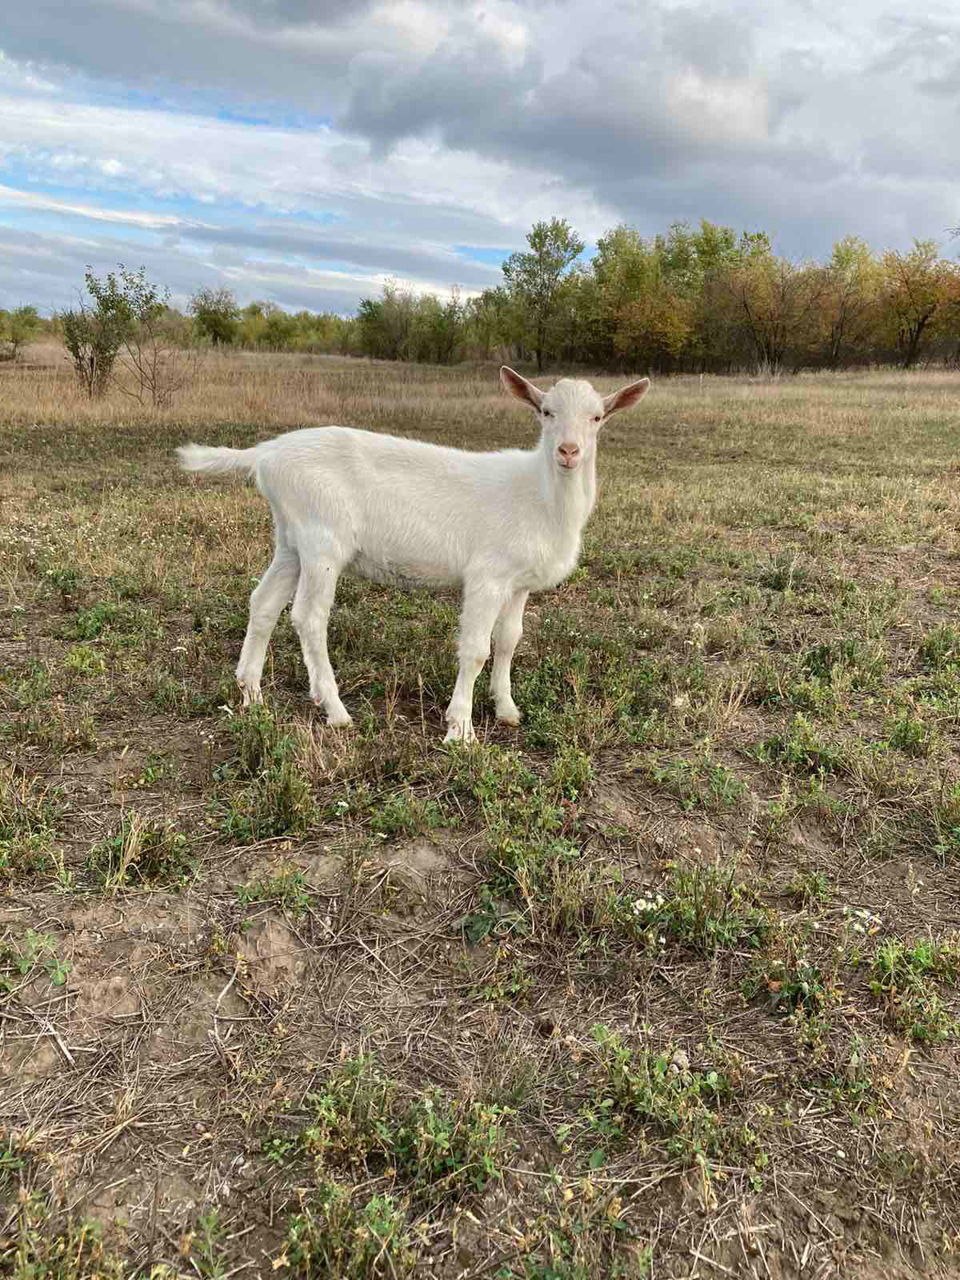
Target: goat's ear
(520, 387)
(626, 397)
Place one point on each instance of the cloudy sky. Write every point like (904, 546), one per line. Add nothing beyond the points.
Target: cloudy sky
(304, 151)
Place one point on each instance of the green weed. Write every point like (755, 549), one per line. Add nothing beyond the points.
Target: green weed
(810, 888)
(945, 824)
(660, 1091)
(58, 727)
(906, 979)
(28, 816)
(37, 1246)
(783, 573)
(19, 959)
(506, 979)
(205, 1246)
(939, 648)
(911, 735)
(404, 813)
(704, 908)
(448, 1146)
(340, 1236)
(122, 623)
(832, 660)
(588, 689)
(141, 852)
(800, 750)
(84, 660)
(66, 581)
(287, 889)
(264, 790)
(33, 686)
(789, 984)
(437, 1147)
(698, 783)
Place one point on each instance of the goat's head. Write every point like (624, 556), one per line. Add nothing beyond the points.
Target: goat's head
(571, 413)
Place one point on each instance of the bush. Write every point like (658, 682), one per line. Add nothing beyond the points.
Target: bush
(16, 329)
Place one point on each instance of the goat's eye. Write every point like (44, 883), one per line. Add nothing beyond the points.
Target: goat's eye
(598, 418)
(546, 413)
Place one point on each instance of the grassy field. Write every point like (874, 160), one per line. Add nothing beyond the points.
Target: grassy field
(664, 983)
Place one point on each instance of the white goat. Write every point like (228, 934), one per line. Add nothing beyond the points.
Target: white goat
(404, 512)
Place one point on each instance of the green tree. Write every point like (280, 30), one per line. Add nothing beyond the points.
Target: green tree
(128, 328)
(150, 354)
(776, 302)
(919, 294)
(535, 279)
(278, 329)
(326, 331)
(448, 325)
(717, 341)
(17, 328)
(402, 325)
(848, 302)
(93, 336)
(385, 324)
(217, 315)
(252, 322)
(147, 353)
(485, 318)
(645, 313)
(621, 271)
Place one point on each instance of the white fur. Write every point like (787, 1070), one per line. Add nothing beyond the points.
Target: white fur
(401, 511)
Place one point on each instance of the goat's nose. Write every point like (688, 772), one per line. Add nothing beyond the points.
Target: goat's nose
(569, 453)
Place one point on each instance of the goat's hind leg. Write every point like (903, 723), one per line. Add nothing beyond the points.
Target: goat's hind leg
(274, 590)
(310, 615)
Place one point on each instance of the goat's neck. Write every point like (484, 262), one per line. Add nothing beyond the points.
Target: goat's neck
(567, 497)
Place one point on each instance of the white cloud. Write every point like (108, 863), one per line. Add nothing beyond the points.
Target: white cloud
(282, 170)
(20, 77)
(11, 197)
(720, 111)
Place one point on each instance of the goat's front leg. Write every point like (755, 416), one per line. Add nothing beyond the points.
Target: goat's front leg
(506, 637)
(310, 614)
(480, 610)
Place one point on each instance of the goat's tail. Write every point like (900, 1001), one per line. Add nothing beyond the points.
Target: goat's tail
(214, 461)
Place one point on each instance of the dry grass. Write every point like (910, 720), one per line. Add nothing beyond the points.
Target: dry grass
(663, 983)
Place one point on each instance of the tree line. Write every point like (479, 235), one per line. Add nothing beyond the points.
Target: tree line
(688, 300)
(710, 300)
(704, 300)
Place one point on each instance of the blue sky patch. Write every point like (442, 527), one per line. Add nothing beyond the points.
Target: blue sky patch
(488, 257)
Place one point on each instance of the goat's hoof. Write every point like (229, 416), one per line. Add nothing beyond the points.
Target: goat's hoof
(338, 717)
(508, 713)
(460, 731)
(251, 697)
